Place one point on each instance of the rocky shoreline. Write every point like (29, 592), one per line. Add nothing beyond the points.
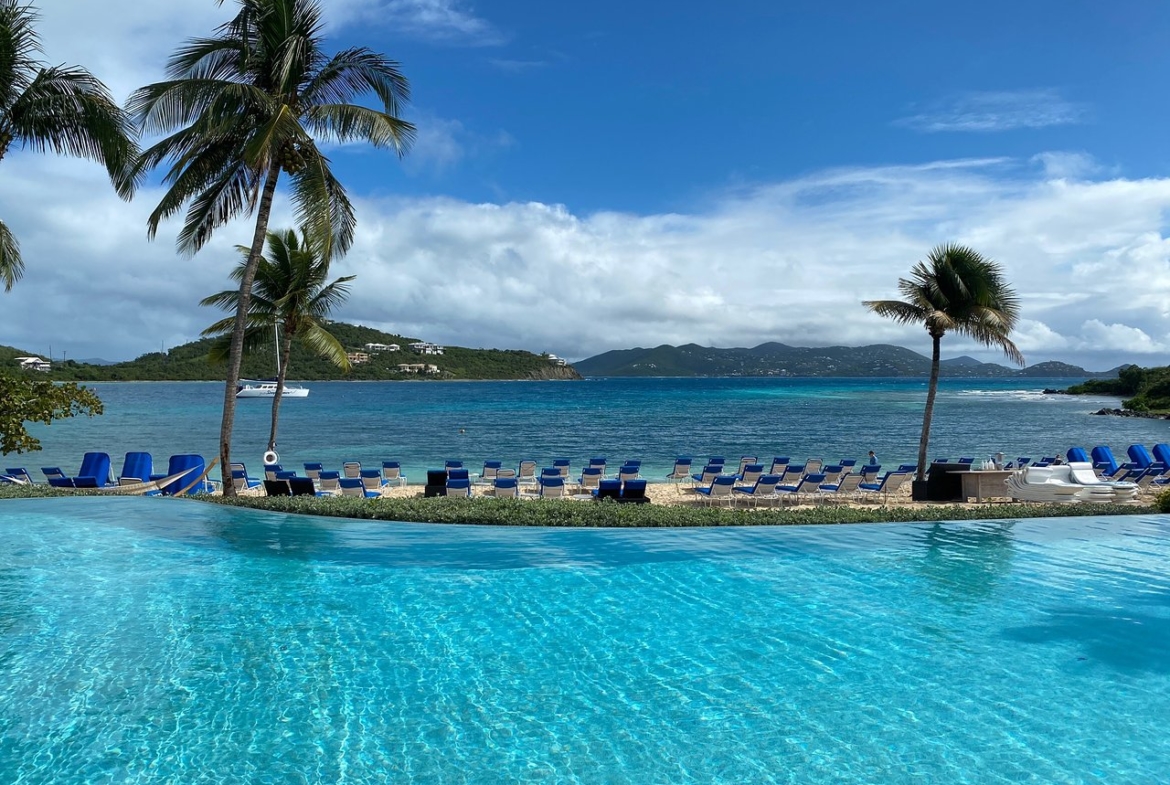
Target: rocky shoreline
(1128, 413)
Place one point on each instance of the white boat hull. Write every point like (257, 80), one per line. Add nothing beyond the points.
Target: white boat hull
(268, 390)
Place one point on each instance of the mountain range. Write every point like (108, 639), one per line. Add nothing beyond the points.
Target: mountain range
(777, 359)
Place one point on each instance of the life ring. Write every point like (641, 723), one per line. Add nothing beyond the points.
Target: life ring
(271, 457)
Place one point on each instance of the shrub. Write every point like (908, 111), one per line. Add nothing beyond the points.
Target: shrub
(1162, 501)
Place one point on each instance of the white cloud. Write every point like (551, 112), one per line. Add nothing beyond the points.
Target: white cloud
(441, 144)
(443, 21)
(997, 111)
(788, 261)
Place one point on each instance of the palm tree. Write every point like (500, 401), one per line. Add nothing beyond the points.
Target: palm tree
(955, 290)
(60, 108)
(289, 293)
(246, 104)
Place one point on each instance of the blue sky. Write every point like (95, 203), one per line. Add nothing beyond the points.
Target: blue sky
(604, 175)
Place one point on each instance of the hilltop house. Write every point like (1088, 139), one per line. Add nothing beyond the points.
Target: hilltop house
(422, 347)
(382, 347)
(417, 368)
(34, 364)
(357, 358)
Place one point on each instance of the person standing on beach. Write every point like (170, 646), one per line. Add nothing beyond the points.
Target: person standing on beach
(873, 461)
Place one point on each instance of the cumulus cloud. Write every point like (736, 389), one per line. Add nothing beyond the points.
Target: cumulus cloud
(787, 261)
(986, 112)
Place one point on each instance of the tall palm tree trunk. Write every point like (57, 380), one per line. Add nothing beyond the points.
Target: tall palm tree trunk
(237, 351)
(929, 412)
(281, 375)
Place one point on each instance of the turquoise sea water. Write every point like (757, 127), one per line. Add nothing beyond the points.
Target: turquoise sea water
(648, 419)
(155, 641)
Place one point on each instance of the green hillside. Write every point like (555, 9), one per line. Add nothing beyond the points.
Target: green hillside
(777, 359)
(189, 363)
(1144, 389)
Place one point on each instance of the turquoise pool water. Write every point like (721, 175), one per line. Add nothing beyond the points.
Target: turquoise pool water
(150, 641)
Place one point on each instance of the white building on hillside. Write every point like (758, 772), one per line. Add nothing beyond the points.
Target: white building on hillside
(422, 347)
(382, 347)
(34, 364)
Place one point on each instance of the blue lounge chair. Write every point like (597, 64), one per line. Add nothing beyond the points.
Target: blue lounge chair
(907, 468)
(240, 474)
(845, 487)
(1140, 456)
(608, 489)
(561, 465)
(449, 465)
(633, 492)
(61, 482)
(137, 467)
(628, 472)
(194, 466)
(313, 469)
(716, 459)
(351, 469)
(720, 490)
(847, 463)
(353, 486)
(329, 483)
(490, 470)
(526, 471)
(779, 465)
(966, 460)
(505, 488)
(552, 487)
(285, 475)
(808, 486)
(591, 477)
(869, 472)
(271, 470)
(97, 466)
(1077, 455)
(832, 473)
(599, 463)
(392, 473)
(709, 473)
(19, 474)
(302, 486)
(751, 472)
(889, 484)
(681, 470)
(763, 489)
(276, 487)
(372, 482)
(745, 461)
(1104, 461)
(1162, 453)
(458, 474)
(458, 486)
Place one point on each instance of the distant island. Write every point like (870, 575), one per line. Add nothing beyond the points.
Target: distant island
(779, 360)
(373, 354)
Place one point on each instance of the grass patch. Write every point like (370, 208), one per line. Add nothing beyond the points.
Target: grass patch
(521, 512)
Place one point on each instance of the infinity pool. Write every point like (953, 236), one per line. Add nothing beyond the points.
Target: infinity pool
(151, 640)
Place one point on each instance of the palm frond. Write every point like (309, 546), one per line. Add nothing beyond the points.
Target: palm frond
(323, 344)
(352, 72)
(69, 111)
(321, 205)
(19, 47)
(11, 263)
(352, 123)
(901, 312)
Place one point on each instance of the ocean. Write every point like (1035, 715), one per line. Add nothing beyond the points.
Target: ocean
(423, 424)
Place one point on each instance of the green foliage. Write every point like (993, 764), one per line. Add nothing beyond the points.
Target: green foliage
(522, 512)
(189, 362)
(1145, 389)
(24, 400)
(1162, 501)
(60, 108)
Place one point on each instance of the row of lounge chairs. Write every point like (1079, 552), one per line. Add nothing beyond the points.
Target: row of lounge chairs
(186, 474)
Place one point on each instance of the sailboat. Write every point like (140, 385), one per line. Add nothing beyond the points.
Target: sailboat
(266, 388)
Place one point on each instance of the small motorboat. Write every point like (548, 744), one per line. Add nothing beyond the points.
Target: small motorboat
(267, 389)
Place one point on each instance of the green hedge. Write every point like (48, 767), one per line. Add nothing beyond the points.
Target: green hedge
(519, 512)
